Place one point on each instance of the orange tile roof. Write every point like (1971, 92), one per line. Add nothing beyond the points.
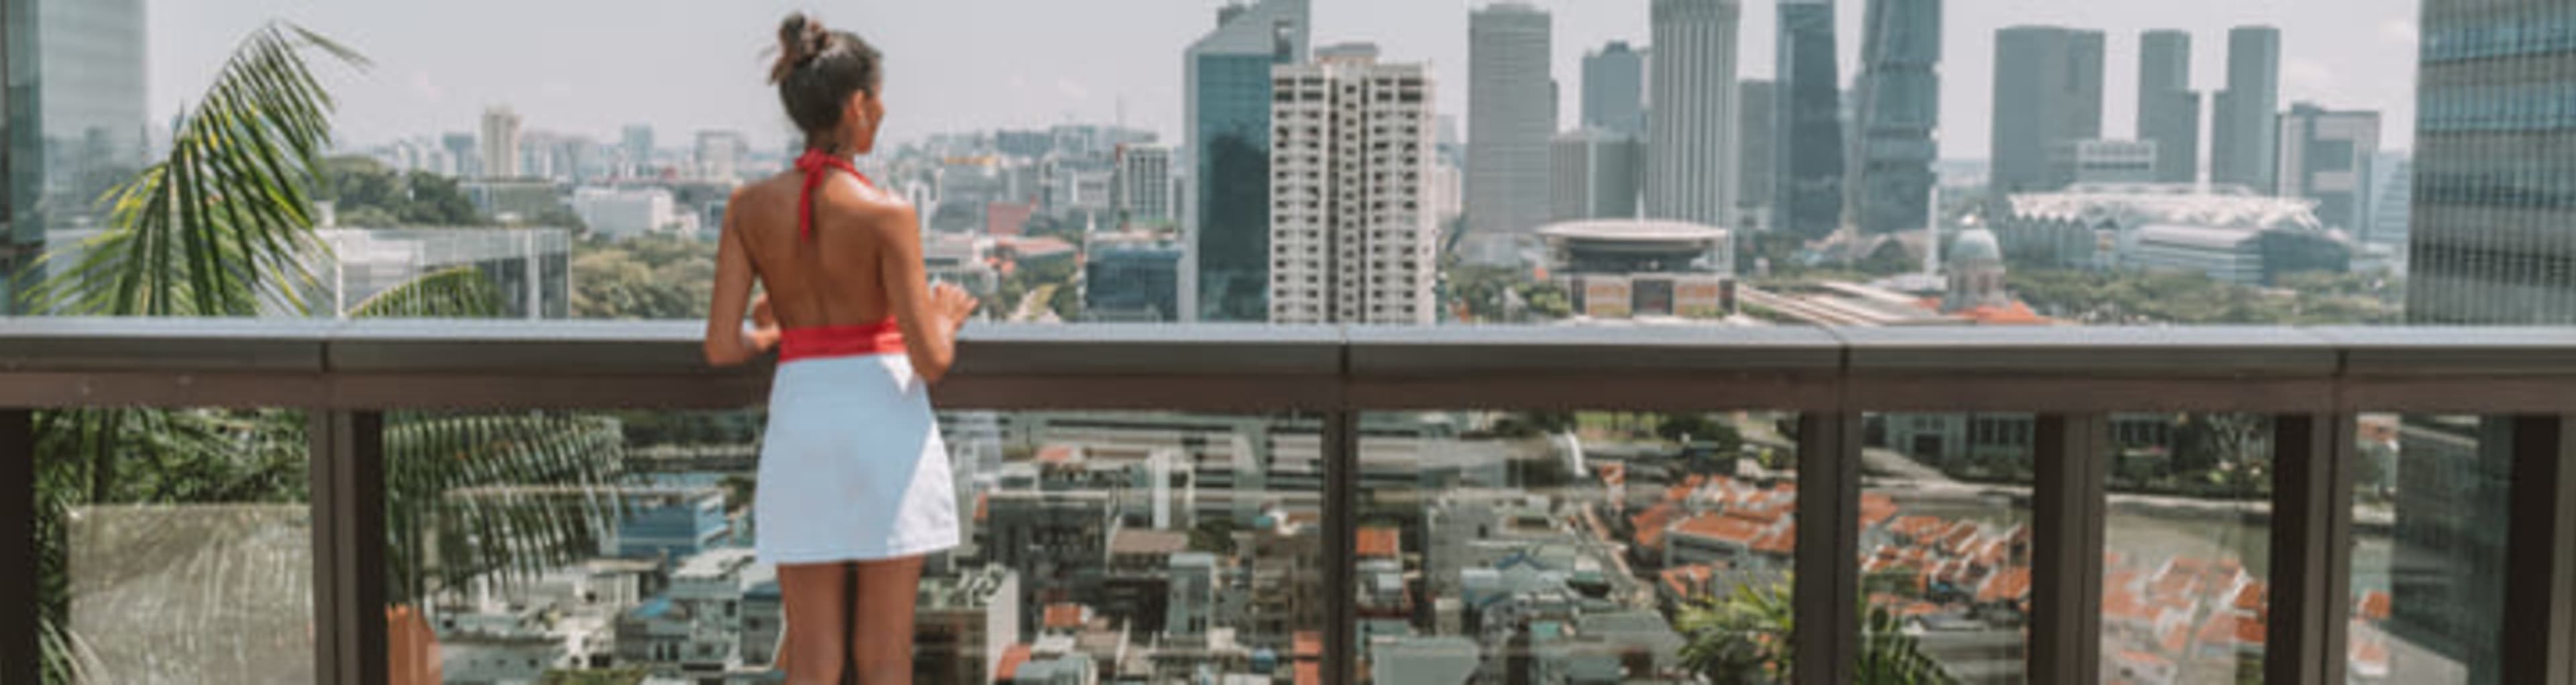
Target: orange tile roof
(1380, 543)
(2250, 597)
(2008, 584)
(1780, 542)
(1056, 454)
(2177, 638)
(1307, 644)
(1688, 581)
(2231, 631)
(2123, 604)
(2018, 314)
(1650, 524)
(2375, 605)
(1310, 673)
(1917, 526)
(1064, 615)
(2368, 650)
(1721, 528)
(1876, 508)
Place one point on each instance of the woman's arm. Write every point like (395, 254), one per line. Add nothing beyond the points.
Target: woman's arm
(928, 316)
(729, 342)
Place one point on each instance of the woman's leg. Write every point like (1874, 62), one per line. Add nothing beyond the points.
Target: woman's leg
(817, 603)
(882, 643)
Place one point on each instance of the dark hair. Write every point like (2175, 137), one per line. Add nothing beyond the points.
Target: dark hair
(817, 72)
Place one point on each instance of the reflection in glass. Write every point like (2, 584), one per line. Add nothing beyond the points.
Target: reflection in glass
(616, 545)
(1946, 541)
(2184, 593)
(2429, 517)
(1586, 547)
(174, 546)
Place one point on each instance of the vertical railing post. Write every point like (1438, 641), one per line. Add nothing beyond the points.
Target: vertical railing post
(2066, 547)
(1341, 534)
(348, 507)
(21, 651)
(2540, 569)
(2311, 594)
(1827, 586)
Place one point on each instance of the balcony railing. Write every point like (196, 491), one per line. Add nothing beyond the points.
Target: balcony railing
(2313, 381)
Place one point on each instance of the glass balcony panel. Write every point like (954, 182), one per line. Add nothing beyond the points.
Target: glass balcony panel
(2186, 569)
(1945, 547)
(2430, 508)
(174, 546)
(1157, 546)
(1575, 547)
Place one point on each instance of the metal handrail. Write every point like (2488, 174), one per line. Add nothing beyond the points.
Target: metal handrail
(2314, 380)
(204, 362)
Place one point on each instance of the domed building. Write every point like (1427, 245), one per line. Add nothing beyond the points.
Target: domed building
(1976, 275)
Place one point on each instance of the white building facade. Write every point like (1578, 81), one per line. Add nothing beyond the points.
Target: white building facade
(626, 213)
(1352, 235)
(1691, 163)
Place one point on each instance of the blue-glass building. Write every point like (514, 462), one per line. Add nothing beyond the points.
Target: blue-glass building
(1228, 95)
(1899, 108)
(2494, 224)
(75, 104)
(1807, 116)
(1135, 282)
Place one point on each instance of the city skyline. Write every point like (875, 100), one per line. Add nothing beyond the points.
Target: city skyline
(423, 85)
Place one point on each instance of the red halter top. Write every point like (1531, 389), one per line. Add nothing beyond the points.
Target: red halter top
(817, 342)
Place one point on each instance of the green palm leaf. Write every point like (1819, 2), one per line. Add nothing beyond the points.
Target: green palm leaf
(457, 293)
(223, 225)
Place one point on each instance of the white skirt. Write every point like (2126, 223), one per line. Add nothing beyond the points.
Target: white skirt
(852, 467)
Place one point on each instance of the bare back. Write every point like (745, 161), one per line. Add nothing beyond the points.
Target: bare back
(837, 278)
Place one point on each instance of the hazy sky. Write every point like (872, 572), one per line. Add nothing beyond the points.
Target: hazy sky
(591, 66)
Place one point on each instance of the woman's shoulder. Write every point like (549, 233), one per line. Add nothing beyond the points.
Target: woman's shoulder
(849, 194)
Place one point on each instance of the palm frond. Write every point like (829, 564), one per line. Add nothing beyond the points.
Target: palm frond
(456, 293)
(503, 498)
(222, 226)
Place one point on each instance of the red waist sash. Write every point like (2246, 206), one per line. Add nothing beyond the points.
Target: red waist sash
(815, 342)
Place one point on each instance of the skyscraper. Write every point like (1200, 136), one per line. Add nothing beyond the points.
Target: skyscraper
(1227, 86)
(1690, 164)
(1898, 111)
(2325, 156)
(1614, 89)
(75, 106)
(2168, 109)
(1596, 174)
(2243, 136)
(1352, 240)
(1756, 164)
(2048, 94)
(1511, 113)
(500, 143)
(1807, 195)
(2493, 240)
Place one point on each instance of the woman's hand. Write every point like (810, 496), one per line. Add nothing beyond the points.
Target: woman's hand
(763, 334)
(952, 303)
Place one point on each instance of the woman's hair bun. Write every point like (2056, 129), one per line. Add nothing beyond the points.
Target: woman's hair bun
(800, 39)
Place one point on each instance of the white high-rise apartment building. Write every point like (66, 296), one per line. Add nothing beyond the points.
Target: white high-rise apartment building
(1142, 189)
(1691, 163)
(1352, 232)
(1511, 114)
(500, 143)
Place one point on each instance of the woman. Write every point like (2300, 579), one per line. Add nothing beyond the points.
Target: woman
(854, 481)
